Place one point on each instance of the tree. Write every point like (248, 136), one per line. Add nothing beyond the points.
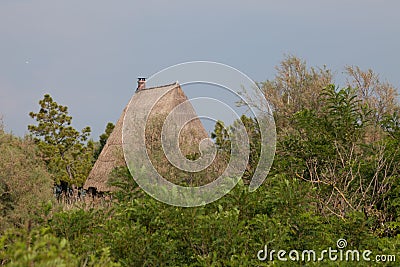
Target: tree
(295, 87)
(65, 150)
(103, 139)
(25, 184)
(329, 149)
(1, 124)
(379, 96)
(223, 142)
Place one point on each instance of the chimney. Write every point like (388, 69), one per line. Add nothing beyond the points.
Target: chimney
(141, 84)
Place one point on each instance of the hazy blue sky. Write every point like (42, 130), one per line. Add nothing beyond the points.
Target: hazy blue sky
(88, 54)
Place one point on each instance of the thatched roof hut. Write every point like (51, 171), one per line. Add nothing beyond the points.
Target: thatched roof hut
(112, 154)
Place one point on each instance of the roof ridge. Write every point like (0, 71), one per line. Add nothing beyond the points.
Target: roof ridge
(161, 86)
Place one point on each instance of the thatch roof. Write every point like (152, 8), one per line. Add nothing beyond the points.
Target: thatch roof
(112, 154)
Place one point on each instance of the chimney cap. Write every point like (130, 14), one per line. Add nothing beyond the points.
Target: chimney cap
(141, 83)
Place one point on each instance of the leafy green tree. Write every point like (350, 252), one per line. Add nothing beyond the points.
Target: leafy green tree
(103, 139)
(331, 149)
(221, 136)
(40, 247)
(36, 248)
(222, 140)
(65, 150)
(391, 126)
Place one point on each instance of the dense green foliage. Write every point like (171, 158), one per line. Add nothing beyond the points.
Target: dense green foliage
(142, 231)
(335, 176)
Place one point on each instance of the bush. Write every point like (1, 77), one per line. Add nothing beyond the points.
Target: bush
(25, 185)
